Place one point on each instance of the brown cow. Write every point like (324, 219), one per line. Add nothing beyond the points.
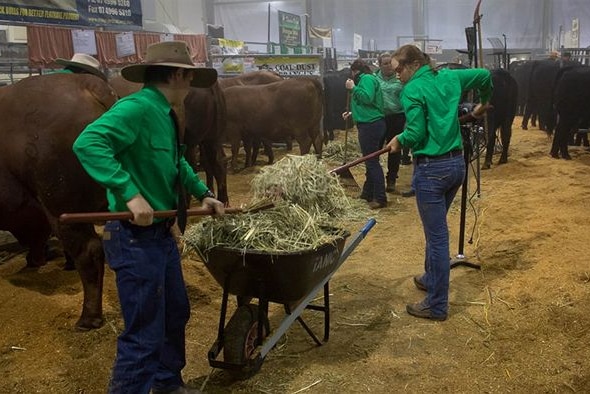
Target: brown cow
(41, 118)
(276, 111)
(261, 77)
(203, 124)
(251, 78)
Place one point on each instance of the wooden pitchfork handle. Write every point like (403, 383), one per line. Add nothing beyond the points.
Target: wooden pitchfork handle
(359, 160)
(90, 217)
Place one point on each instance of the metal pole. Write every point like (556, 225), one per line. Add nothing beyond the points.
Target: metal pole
(268, 45)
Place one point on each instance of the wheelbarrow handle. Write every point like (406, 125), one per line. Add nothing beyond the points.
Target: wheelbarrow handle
(353, 163)
(89, 217)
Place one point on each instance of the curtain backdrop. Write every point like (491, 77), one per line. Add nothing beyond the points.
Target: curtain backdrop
(47, 43)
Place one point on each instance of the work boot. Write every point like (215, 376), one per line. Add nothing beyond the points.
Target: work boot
(421, 309)
(419, 283)
(376, 204)
(390, 187)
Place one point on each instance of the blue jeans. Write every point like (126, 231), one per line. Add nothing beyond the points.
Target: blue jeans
(436, 184)
(154, 304)
(371, 137)
(394, 125)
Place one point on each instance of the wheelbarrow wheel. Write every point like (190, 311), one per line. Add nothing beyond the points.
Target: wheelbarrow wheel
(241, 336)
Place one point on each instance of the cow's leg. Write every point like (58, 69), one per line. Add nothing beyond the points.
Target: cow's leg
(505, 136)
(235, 147)
(256, 148)
(490, 146)
(304, 144)
(318, 144)
(248, 147)
(218, 164)
(85, 247)
(554, 152)
(23, 216)
(268, 151)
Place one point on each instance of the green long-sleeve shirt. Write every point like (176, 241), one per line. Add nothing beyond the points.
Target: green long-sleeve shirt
(391, 88)
(132, 149)
(431, 103)
(367, 100)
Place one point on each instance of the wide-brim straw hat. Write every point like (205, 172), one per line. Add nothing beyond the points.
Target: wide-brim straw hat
(83, 61)
(170, 54)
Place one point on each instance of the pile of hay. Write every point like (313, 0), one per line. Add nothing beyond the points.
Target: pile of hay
(308, 201)
(334, 151)
(284, 228)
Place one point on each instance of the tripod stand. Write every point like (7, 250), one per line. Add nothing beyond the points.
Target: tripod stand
(460, 259)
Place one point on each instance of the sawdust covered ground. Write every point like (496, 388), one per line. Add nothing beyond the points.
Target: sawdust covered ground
(520, 324)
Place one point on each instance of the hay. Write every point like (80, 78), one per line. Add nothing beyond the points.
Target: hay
(308, 201)
(306, 181)
(334, 151)
(284, 228)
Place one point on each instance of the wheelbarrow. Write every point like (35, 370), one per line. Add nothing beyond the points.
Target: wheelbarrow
(292, 279)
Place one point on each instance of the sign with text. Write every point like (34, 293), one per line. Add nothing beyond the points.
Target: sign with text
(290, 66)
(289, 29)
(84, 41)
(73, 12)
(125, 44)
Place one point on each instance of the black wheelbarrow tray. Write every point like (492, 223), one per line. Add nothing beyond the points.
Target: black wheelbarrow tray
(291, 279)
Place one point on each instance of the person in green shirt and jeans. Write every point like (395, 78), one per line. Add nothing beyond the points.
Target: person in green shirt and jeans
(133, 150)
(366, 108)
(395, 119)
(431, 101)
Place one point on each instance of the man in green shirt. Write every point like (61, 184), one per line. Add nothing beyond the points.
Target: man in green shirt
(133, 150)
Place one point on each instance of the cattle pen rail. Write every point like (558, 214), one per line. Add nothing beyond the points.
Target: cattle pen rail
(581, 55)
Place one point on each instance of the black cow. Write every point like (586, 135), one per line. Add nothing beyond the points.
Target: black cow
(334, 102)
(521, 71)
(504, 101)
(540, 95)
(572, 102)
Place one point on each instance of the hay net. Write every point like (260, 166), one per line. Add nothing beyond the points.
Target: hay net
(309, 204)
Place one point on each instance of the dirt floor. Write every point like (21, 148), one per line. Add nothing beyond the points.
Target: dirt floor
(520, 324)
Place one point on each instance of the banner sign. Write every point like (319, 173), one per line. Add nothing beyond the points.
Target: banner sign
(230, 65)
(289, 29)
(289, 66)
(73, 12)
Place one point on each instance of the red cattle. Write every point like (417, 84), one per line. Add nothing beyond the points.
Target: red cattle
(291, 108)
(251, 78)
(261, 77)
(205, 128)
(41, 178)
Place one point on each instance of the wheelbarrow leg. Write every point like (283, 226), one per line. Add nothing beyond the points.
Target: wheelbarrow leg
(218, 345)
(326, 309)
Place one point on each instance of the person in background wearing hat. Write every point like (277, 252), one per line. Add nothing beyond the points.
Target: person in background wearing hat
(430, 100)
(366, 108)
(81, 63)
(134, 152)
